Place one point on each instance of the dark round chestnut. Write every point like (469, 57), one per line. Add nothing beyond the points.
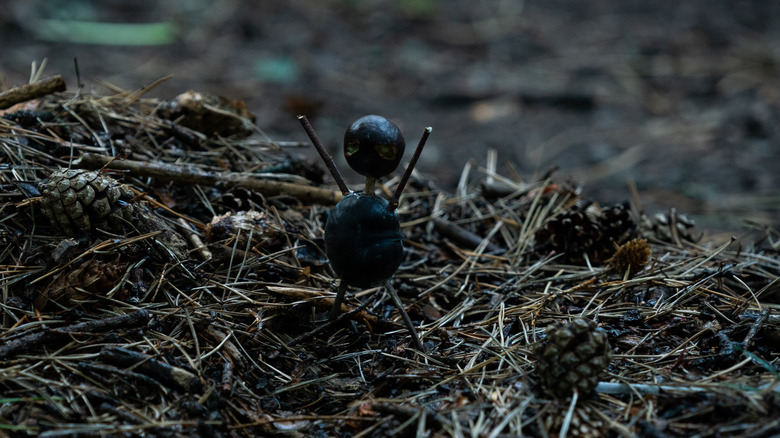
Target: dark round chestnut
(363, 240)
(373, 146)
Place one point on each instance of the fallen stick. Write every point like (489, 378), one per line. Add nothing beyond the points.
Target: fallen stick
(51, 335)
(461, 236)
(192, 175)
(654, 389)
(27, 92)
(171, 376)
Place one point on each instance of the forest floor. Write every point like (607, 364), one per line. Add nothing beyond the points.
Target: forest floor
(184, 291)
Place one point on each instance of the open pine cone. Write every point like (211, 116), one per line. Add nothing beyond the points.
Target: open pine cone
(586, 230)
(572, 357)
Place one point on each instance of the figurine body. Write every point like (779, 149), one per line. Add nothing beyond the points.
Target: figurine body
(363, 238)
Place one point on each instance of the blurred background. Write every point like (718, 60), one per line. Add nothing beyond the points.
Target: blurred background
(682, 97)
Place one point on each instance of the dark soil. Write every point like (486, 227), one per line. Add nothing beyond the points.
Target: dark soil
(681, 97)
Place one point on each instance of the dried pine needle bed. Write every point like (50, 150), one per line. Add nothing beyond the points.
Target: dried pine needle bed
(196, 304)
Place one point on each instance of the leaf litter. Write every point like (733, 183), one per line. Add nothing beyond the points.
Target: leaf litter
(205, 311)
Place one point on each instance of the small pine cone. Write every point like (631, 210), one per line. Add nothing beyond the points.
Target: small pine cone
(631, 256)
(664, 227)
(77, 201)
(617, 223)
(573, 234)
(587, 230)
(572, 357)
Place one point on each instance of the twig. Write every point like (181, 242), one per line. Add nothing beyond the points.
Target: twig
(404, 179)
(27, 342)
(652, 389)
(497, 189)
(461, 236)
(106, 407)
(193, 175)
(762, 317)
(326, 157)
(227, 375)
(231, 352)
(194, 239)
(170, 376)
(412, 331)
(110, 370)
(27, 92)
(336, 309)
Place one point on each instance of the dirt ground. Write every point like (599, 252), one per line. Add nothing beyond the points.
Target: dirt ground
(681, 97)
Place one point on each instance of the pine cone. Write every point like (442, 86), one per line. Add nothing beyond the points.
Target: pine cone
(572, 233)
(587, 229)
(572, 357)
(664, 227)
(617, 224)
(631, 256)
(77, 201)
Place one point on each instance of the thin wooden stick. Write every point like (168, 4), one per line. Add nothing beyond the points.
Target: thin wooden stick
(336, 309)
(169, 375)
(412, 331)
(326, 157)
(27, 92)
(461, 236)
(193, 175)
(50, 336)
(393, 205)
